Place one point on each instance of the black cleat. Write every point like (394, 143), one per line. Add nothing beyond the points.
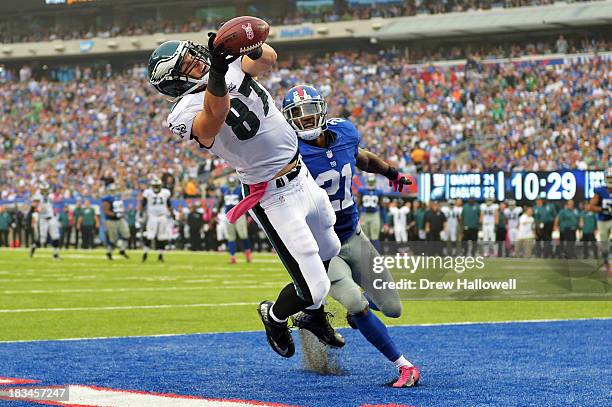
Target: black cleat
(160, 258)
(56, 256)
(317, 322)
(144, 256)
(109, 256)
(351, 322)
(278, 334)
(32, 250)
(124, 254)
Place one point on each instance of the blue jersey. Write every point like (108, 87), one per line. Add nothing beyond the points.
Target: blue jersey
(333, 168)
(370, 200)
(231, 196)
(605, 200)
(116, 206)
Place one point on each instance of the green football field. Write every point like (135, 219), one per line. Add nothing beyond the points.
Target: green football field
(85, 295)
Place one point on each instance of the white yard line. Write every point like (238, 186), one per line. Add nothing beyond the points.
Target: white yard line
(441, 324)
(104, 397)
(104, 290)
(126, 307)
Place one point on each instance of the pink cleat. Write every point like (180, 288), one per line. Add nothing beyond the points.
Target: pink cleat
(233, 260)
(408, 377)
(249, 256)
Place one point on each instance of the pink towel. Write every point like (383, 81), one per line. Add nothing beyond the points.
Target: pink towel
(256, 192)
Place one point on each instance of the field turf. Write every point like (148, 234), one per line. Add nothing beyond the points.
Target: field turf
(86, 296)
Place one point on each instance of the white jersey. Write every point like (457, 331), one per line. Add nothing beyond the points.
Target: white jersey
(399, 216)
(255, 139)
(525, 229)
(157, 202)
(453, 214)
(513, 215)
(488, 213)
(45, 206)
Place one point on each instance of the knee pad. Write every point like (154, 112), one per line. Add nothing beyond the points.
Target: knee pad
(331, 249)
(352, 299)
(391, 308)
(319, 290)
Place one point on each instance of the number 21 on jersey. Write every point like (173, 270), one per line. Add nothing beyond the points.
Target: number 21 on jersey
(330, 180)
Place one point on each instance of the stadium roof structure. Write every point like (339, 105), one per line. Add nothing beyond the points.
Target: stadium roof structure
(555, 16)
(456, 25)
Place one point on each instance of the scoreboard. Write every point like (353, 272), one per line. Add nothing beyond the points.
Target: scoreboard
(500, 186)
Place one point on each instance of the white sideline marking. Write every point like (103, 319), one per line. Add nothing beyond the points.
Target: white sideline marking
(126, 307)
(93, 396)
(518, 321)
(103, 290)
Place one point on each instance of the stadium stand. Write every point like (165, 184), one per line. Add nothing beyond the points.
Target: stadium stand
(422, 117)
(30, 28)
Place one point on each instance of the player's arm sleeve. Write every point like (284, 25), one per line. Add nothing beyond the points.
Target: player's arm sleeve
(595, 203)
(199, 122)
(260, 65)
(370, 162)
(107, 208)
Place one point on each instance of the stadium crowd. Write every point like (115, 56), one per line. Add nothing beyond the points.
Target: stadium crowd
(30, 29)
(475, 118)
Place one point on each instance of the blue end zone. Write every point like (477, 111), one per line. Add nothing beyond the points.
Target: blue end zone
(524, 364)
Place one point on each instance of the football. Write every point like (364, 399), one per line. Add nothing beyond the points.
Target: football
(242, 35)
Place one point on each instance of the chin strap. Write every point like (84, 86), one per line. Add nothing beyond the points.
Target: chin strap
(310, 134)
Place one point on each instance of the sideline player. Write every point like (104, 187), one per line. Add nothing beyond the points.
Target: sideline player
(157, 205)
(330, 149)
(369, 202)
(399, 213)
(231, 195)
(488, 212)
(453, 216)
(601, 203)
(117, 229)
(45, 223)
(513, 213)
(223, 109)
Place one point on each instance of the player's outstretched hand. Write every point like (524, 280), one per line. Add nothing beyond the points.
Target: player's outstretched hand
(397, 180)
(220, 58)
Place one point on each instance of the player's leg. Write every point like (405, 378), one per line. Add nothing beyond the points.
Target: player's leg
(320, 219)
(148, 236)
(282, 215)
(54, 234)
(163, 235)
(605, 229)
(123, 237)
(243, 235)
(231, 242)
(36, 235)
(111, 237)
(348, 293)
(360, 255)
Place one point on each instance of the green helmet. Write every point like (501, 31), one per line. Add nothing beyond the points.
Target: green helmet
(156, 184)
(371, 181)
(165, 72)
(232, 181)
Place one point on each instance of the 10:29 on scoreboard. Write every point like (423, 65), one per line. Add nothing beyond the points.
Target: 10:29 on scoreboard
(500, 186)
